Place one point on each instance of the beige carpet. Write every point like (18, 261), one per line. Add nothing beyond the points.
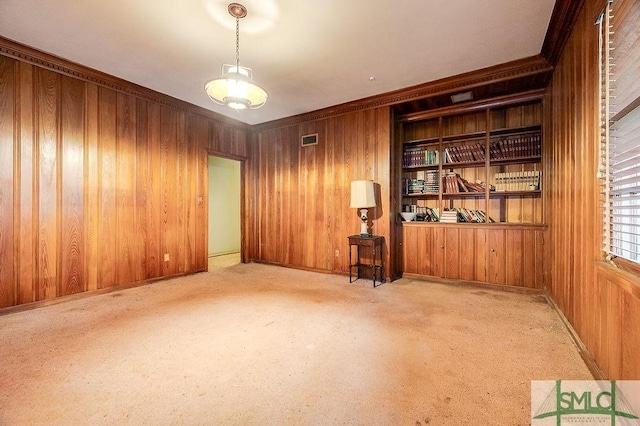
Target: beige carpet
(256, 344)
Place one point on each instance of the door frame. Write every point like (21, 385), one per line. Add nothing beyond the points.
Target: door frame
(243, 218)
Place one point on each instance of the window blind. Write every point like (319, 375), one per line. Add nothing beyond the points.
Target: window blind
(604, 22)
(622, 195)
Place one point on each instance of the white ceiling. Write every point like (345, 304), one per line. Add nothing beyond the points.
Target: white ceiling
(307, 54)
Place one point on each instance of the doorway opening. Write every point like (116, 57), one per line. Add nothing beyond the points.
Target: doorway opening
(224, 233)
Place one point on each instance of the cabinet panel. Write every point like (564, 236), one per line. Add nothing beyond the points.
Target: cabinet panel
(497, 264)
(423, 251)
(438, 252)
(513, 257)
(452, 253)
(468, 253)
(409, 255)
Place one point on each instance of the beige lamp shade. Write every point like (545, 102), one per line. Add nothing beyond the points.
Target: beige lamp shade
(236, 89)
(362, 194)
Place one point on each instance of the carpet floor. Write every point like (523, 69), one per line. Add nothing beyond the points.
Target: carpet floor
(259, 344)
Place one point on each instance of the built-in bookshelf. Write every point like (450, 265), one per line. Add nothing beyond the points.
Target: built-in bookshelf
(482, 162)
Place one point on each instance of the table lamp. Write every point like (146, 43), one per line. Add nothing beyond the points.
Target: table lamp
(363, 197)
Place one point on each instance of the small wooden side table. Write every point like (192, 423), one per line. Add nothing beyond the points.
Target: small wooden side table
(376, 265)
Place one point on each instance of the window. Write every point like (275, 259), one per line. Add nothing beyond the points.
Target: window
(620, 113)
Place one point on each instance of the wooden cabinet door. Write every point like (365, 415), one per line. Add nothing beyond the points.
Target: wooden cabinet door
(452, 253)
(524, 258)
(481, 255)
(496, 265)
(409, 252)
(423, 250)
(437, 259)
(516, 257)
(467, 253)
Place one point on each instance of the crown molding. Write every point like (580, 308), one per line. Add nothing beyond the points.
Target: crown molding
(23, 53)
(530, 66)
(564, 16)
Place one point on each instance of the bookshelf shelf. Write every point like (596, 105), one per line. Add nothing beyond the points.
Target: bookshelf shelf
(426, 167)
(516, 130)
(426, 196)
(463, 164)
(450, 195)
(530, 193)
(419, 142)
(516, 160)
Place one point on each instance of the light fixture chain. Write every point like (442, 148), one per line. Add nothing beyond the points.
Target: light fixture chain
(237, 44)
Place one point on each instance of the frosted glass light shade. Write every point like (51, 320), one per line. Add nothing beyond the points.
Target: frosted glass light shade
(362, 194)
(236, 89)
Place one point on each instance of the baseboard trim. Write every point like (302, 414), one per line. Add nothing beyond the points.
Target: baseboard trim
(499, 287)
(62, 299)
(591, 363)
(224, 253)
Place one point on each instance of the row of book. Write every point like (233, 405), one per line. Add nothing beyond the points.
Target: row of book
(416, 157)
(518, 181)
(515, 146)
(472, 216)
(455, 215)
(500, 148)
(464, 153)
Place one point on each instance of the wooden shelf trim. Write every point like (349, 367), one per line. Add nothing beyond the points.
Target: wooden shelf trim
(492, 194)
(519, 98)
(490, 225)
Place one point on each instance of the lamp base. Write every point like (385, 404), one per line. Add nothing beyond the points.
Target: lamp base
(363, 230)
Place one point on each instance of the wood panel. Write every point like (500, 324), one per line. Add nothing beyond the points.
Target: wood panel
(153, 248)
(72, 273)
(299, 198)
(597, 299)
(91, 185)
(7, 96)
(27, 253)
(98, 183)
(107, 163)
(48, 95)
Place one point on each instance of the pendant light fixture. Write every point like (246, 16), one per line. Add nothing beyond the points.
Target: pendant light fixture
(235, 88)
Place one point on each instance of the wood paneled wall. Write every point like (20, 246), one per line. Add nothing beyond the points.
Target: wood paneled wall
(600, 302)
(97, 184)
(298, 197)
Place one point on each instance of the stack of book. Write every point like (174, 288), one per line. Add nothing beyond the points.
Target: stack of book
(518, 181)
(449, 216)
(426, 182)
(431, 182)
(413, 186)
(515, 146)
